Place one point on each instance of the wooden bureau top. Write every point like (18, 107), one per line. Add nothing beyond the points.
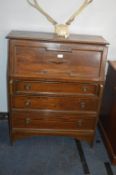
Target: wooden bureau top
(41, 36)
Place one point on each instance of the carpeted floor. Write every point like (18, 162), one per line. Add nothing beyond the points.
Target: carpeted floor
(52, 156)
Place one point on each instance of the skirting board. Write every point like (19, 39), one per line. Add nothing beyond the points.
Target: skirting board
(107, 144)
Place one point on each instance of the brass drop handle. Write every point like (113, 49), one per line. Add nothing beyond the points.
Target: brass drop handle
(27, 121)
(27, 103)
(79, 123)
(82, 105)
(43, 72)
(53, 105)
(84, 89)
(27, 86)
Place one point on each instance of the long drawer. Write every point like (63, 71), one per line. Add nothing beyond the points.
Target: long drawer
(51, 120)
(55, 103)
(54, 87)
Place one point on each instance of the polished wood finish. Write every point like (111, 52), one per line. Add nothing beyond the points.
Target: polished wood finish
(54, 84)
(51, 120)
(108, 111)
(68, 103)
(44, 87)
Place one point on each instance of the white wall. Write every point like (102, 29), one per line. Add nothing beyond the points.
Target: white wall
(98, 18)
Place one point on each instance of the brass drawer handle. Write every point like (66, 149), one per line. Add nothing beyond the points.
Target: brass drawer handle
(79, 123)
(43, 72)
(27, 103)
(53, 105)
(27, 86)
(82, 105)
(27, 121)
(84, 89)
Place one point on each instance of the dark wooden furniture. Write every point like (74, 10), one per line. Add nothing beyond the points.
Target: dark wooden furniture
(55, 84)
(108, 111)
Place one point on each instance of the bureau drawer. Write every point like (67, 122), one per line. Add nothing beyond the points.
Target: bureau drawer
(54, 87)
(55, 103)
(51, 120)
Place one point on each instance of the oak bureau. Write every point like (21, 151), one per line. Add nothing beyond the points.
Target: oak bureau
(55, 85)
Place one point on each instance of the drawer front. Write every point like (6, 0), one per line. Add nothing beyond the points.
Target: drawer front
(51, 120)
(45, 59)
(55, 103)
(54, 87)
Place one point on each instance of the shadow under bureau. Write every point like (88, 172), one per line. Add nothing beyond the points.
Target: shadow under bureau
(54, 84)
